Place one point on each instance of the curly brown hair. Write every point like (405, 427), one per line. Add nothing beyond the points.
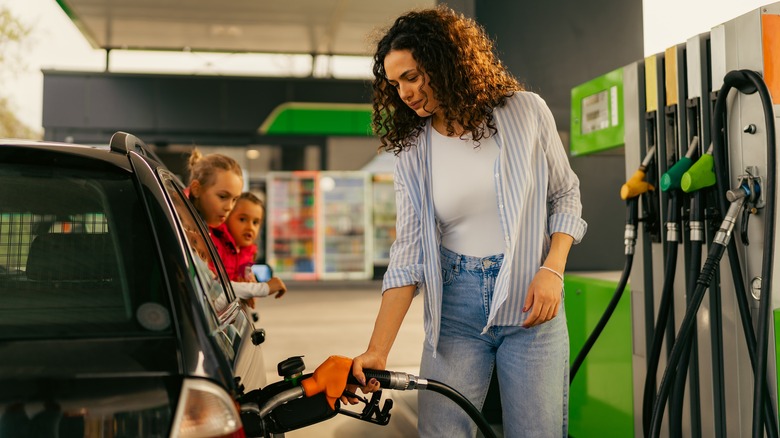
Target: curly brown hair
(466, 76)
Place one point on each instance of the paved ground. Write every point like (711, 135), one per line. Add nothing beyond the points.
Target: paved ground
(320, 319)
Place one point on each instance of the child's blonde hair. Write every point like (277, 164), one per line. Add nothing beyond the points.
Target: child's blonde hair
(203, 168)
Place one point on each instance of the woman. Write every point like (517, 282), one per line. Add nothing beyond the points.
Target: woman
(487, 211)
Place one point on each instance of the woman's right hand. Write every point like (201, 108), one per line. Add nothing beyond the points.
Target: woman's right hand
(370, 360)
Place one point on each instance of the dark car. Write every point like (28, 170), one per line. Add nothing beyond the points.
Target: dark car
(111, 322)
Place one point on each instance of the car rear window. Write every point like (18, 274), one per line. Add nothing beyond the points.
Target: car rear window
(76, 254)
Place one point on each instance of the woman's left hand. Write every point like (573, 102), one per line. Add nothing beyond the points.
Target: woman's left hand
(543, 298)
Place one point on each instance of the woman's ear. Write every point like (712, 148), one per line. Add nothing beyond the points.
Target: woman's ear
(195, 188)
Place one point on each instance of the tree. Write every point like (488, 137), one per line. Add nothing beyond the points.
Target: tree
(13, 35)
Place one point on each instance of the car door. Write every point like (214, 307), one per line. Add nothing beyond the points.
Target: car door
(231, 325)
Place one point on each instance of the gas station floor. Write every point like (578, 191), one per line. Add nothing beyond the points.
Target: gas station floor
(317, 320)
(325, 318)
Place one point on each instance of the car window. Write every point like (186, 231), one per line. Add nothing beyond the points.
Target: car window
(76, 254)
(199, 244)
(204, 266)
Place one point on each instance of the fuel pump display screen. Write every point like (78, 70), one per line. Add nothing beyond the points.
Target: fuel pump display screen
(595, 112)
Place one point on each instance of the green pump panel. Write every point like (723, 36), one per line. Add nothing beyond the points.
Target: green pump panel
(300, 118)
(603, 387)
(597, 114)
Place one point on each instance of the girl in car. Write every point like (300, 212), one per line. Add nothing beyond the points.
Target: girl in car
(215, 186)
(244, 224)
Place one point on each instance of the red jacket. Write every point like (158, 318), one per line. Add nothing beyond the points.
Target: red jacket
(234, 259)
(246, 258)
(228, 251)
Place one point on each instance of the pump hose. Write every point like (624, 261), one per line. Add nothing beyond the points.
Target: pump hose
(631, 219)
(743, 80)
(604, 319)
(759, 382)
(466, 405)
(684, 340)
(744, 312)
(750, 336)
(385, 379)
(702, 283)
(664, 311)
(676, 404)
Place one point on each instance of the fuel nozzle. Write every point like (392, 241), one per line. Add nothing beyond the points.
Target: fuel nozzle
(330, 377)
(636, 185)
(701, 174)
(738, 197)
(671, 179)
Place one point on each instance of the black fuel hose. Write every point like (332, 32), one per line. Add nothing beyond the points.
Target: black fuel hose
(664, 311)
(631, 221)
(686, 331)
(748, 82)
(742, 303)
(760, 367)
(401, 381)
(702, 283)
(604, 319)
(466, 405)
(750, 336)
(678, 393)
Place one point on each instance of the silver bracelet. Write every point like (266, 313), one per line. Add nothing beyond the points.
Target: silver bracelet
(557, 274)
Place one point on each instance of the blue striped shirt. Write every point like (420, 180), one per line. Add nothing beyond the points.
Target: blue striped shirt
(537, 195)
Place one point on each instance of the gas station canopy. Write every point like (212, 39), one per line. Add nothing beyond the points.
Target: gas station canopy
(328, 27)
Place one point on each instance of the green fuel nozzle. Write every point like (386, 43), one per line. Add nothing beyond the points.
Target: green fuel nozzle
(700, 175)
(671, 179)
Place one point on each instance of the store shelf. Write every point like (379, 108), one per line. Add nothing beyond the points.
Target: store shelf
(292, 220)
(384, 212)
(345, 225)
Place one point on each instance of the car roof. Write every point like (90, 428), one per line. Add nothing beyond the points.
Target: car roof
(28, 142)
(121, 144)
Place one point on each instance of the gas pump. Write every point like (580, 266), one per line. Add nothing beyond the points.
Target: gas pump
(661, 120)
(638, 148)
(681, 146)
(745, 58)
(749, 43)
(711, 147)
(705, 358)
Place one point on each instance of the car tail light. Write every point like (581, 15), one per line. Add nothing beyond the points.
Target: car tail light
(205, 410)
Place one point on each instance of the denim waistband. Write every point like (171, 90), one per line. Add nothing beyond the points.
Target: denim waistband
(470, 263)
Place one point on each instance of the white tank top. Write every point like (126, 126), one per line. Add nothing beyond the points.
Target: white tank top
(464, 195)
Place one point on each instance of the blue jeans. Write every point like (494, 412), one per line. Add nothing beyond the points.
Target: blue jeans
(532, 364)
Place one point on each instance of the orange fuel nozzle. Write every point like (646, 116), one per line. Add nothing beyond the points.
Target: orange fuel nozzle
(330, 377)
(635, 186)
